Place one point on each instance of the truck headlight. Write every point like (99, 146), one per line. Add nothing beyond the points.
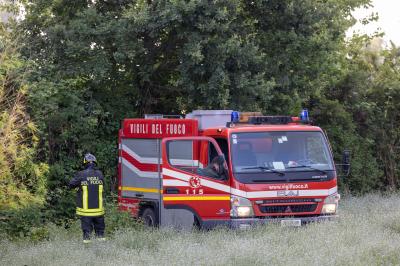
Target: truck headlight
(241, 207)
(330, 204)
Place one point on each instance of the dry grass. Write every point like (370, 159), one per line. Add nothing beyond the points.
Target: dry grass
(368, 233)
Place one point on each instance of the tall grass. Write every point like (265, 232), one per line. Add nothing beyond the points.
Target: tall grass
(368, 233)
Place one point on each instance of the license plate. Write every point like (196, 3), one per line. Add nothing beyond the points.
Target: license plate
(291, 222)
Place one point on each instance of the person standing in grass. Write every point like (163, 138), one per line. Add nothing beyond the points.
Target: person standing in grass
(89, 198)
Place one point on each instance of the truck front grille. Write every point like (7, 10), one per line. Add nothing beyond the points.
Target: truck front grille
(288, 208)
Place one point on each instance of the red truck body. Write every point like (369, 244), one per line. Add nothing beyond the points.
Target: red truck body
(274, 171)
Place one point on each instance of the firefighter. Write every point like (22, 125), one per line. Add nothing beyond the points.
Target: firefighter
(217, 169)
(89, 198)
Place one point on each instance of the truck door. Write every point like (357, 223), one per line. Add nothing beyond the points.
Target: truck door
(192, 180)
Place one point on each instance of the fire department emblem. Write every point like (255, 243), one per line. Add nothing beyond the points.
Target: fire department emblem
(194, 182)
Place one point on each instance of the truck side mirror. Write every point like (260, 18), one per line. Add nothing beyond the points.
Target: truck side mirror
(346, 162)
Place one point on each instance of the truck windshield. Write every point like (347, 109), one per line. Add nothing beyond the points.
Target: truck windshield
(277, 154)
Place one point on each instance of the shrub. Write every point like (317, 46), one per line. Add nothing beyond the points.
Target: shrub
(21, 222)
(116, 220)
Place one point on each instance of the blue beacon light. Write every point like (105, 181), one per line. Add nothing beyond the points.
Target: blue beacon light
(304, 115)
(235, 117)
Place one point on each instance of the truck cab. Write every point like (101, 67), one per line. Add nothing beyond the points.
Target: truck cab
(240, 169)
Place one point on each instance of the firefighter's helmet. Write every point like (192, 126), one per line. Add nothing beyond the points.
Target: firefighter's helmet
(89, 158)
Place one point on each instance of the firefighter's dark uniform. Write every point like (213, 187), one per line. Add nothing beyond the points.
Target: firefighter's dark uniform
(89, 200)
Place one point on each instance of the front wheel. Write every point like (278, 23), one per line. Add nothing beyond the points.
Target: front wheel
(149, 217)
(196, 224)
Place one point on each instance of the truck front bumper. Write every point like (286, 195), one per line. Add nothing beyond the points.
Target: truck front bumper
(241, 223)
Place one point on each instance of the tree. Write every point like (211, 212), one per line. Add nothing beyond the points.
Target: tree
(97, 62)
(383, 120)
(303, 43)
(22, 178)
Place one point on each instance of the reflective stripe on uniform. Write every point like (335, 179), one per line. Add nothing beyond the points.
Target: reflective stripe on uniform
(89, 210)
(85, 197)
(85, 210)
(90, 213)
(100, 196)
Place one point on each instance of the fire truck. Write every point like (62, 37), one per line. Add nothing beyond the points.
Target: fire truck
(222, 167)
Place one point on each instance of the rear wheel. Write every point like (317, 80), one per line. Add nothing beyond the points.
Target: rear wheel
(149, 217)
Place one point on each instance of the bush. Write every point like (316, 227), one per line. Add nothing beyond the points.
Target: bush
(37, 234)
(36, 224)
(22, 223)
(116, 220)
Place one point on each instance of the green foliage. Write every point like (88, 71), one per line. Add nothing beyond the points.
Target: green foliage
(23, 222)
(36, 223)
(369, 92)
(98, 63)
(93, 63)
(116, 220)
(300, 46)
(342, 133)
(22, 177)
(383, 118)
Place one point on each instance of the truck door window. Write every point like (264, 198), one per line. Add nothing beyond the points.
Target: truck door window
(223, 145)
(193, 158)
(182, 155)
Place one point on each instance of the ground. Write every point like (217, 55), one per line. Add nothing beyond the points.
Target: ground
(368, 233)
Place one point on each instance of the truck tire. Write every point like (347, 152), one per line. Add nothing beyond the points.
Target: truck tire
(149, 217)
(196, 224)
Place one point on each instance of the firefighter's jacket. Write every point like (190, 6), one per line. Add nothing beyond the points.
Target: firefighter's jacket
(89, 198)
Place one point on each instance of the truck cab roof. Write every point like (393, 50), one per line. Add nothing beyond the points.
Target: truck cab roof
(225, 131)
(223, 122)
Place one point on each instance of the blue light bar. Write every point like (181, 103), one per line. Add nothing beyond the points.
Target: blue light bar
(235, 117)
(304, 115)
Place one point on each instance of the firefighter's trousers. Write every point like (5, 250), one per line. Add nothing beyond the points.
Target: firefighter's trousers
(88, 223)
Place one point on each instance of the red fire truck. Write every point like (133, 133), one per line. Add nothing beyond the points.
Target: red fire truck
(221, 167)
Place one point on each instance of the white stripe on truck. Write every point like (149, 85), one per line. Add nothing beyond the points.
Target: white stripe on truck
(139, 172)
(154, 160)
(175, 183)
(254, 194)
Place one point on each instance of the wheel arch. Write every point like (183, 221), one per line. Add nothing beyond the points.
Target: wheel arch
(145, 204)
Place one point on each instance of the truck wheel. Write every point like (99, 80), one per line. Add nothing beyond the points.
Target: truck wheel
(149, 217)
(196, 224)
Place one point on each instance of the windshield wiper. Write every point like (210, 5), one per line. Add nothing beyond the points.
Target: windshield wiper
(265, 168)
(309, 167)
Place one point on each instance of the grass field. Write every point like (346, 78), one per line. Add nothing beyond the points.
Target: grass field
(368, 233)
